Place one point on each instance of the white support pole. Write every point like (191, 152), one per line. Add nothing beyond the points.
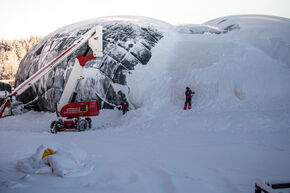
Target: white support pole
(96, 42)
(75, 75)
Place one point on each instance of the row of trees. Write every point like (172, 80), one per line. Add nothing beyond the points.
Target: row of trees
(11, 53)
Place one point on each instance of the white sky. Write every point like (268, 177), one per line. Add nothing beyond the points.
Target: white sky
(22, 18)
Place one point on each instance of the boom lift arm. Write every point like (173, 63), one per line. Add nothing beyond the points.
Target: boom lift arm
(94, 37)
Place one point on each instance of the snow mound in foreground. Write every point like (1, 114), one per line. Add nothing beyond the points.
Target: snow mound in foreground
(64, 161)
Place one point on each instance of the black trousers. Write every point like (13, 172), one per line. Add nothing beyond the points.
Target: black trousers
(187, 101)
(124, 111)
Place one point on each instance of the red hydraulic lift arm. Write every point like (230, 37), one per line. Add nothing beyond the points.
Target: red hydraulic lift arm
(47, 68)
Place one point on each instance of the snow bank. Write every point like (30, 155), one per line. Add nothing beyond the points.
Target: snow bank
(67, 161)
(245, 68)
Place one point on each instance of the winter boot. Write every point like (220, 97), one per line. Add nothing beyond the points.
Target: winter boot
(185, 106)
(189, 106)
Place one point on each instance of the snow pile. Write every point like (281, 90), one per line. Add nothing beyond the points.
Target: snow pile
(65, 161)
(242, 69)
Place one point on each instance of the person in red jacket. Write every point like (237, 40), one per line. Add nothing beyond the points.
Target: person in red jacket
(125, 106)
(188, 95)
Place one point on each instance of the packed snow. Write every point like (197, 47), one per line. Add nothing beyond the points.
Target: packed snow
(237, 131)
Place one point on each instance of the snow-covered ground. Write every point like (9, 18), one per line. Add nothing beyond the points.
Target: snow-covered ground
(237, 131)
(178, 151)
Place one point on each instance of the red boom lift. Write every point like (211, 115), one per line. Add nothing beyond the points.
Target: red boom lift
(72, 116)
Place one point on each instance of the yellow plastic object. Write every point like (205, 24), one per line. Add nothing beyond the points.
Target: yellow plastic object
(47, 152)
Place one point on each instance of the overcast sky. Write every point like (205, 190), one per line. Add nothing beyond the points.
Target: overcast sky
(22, 18)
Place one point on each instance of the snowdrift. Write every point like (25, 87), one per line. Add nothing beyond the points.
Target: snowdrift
(235, 62)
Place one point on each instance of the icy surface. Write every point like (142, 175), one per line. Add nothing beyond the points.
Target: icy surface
(237, 131)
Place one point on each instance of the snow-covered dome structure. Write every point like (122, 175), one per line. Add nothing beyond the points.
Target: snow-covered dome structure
(127, 43)
(231, 62)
